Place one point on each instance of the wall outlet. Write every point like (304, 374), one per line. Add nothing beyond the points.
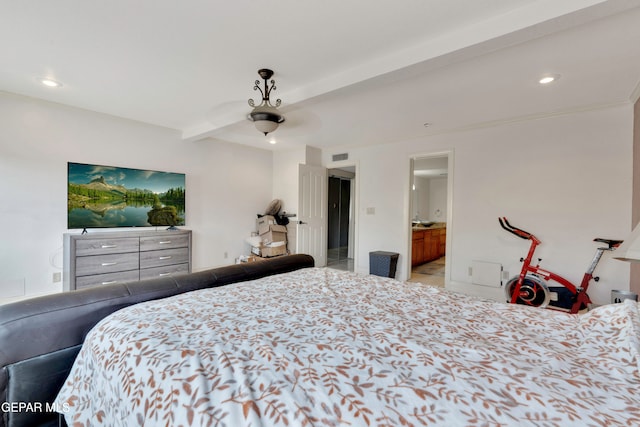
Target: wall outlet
(57, 277)
(371, 211)
(226, 255)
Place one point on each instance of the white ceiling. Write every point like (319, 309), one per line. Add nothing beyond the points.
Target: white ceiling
(352, 72)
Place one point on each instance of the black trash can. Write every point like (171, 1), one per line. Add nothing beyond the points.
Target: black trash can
(383, 263)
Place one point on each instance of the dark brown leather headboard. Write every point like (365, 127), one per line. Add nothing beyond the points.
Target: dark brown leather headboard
(41, 337)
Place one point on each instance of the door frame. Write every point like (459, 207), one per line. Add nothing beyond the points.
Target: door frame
(355, 195)
(449, 154)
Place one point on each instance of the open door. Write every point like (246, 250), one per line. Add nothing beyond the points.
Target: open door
(312, 213)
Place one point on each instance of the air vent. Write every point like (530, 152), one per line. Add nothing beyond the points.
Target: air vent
(339, 157)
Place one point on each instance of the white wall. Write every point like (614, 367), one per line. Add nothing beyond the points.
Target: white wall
(285, 174)
(565, 178)
(421, 196)
(437, 199)
(226, 185)
(285, 177)
(429, 199)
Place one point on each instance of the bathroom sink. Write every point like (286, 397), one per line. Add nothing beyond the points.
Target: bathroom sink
(422, 224)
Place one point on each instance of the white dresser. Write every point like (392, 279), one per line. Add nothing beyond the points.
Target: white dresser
(100, 258)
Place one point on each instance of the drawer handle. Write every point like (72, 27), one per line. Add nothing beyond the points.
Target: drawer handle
(166, 242)
(164, 274)
(106, 264)
(108, 246)
(165, 257)
(109, 282)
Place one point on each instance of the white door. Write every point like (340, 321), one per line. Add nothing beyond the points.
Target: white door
(312, 213)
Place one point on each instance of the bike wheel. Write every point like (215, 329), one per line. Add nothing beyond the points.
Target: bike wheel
(533, 291)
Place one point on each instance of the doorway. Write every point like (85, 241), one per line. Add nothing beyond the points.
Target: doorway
(430, 207)
(340, 218)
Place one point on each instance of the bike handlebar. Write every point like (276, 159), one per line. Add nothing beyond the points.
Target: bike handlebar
(504, 223)
(514, 230)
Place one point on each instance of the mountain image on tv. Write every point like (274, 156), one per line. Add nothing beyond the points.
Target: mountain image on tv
(108, 196)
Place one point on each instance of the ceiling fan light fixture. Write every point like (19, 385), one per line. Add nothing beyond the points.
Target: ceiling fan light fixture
(265, 116)
(263, 124)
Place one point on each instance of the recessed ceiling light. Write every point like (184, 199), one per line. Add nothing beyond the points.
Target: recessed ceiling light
(427, 124)
(548, 78)
(272, 141)
(50, 82)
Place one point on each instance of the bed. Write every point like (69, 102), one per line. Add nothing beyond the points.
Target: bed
(317, 347)
(41, 337)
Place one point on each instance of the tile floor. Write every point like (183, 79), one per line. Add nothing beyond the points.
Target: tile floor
(430, 273)
(337, 259)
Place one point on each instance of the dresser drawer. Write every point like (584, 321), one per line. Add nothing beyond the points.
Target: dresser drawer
(167, 270)
(150, 259)
(107, 279)
(153, 243)
(107, 246)
(101, 264)
(95, 258)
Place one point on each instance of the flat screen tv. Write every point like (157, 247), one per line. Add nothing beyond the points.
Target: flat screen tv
(109, 197)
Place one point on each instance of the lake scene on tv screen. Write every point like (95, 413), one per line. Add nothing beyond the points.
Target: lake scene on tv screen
(107, 196)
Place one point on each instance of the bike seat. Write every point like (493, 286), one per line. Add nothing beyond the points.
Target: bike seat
(610, 242)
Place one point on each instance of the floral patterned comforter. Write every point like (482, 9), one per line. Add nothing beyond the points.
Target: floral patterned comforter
(319, 347)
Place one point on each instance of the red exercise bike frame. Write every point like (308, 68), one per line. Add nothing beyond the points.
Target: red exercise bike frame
(530, 287)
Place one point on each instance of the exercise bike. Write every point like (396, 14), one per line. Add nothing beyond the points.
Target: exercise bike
(530, 286)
